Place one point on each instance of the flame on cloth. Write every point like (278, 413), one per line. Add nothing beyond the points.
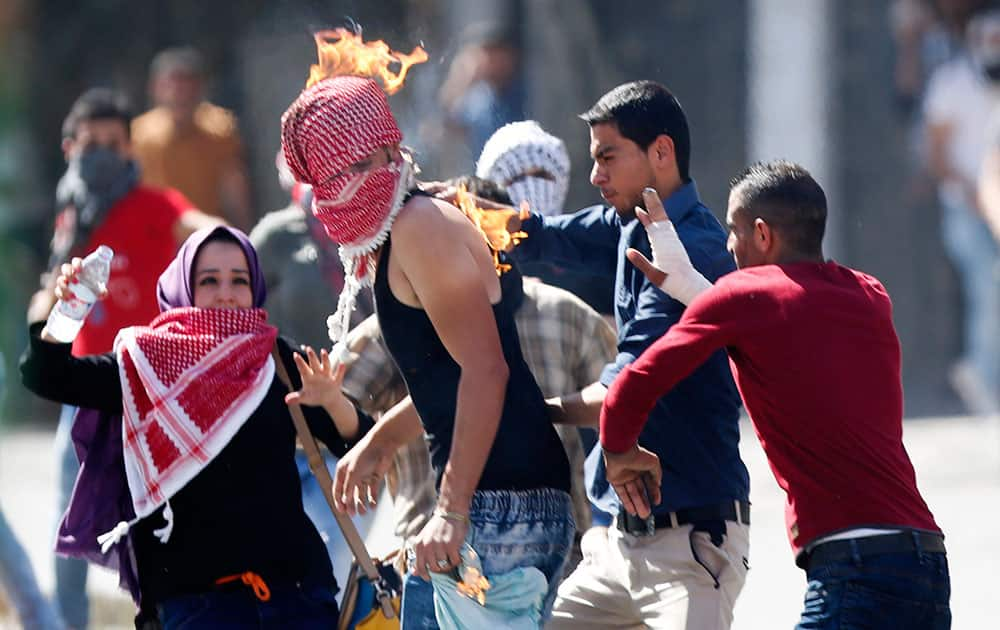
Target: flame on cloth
(493, 225)
(473, 585)
(342, 52)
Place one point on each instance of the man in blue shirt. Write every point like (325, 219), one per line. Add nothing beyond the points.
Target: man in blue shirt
(685, 565)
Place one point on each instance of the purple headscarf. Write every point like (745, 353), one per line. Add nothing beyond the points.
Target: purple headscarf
(174, 287)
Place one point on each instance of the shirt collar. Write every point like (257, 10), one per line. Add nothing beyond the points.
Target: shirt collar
(682, 201)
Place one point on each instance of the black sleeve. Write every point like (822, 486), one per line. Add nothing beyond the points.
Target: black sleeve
(52, 372)
(319, 421)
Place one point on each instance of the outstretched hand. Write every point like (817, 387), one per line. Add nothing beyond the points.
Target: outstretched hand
(635, 475)
(670, 270)
(321, 379)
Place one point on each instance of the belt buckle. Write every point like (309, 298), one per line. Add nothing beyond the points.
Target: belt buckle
(636, 526)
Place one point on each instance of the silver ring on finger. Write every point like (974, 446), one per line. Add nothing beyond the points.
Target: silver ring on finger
(442, 564)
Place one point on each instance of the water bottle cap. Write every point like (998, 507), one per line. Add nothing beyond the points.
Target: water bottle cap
(105, 252)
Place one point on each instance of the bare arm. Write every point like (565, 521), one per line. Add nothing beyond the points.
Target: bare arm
(938, 137)
(427, 239)
(582, 408)
(192, 221)
(989, 190)
(458, 305)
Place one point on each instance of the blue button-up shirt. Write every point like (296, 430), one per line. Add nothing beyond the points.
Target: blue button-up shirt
(694, 428)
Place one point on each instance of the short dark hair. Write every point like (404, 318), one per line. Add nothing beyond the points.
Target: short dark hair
(643, 110)
(183, 59)
(787, 197)
(485, 188)
(98, 104)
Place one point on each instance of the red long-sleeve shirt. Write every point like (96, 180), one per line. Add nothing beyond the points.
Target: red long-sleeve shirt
(817, 362)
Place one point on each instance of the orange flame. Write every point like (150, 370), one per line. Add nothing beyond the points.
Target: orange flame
(493, 225)
(474, 585)
(342, 52)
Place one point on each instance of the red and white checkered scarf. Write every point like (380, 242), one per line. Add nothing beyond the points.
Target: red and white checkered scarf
(189, 381)
(331, 126)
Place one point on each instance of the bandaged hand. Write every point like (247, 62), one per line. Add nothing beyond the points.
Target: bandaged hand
(671, 270)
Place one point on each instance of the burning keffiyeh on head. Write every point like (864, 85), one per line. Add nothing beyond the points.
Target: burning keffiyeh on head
(341, 119)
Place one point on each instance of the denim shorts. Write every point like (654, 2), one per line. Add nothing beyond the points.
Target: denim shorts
(889, 590)
(531, 528)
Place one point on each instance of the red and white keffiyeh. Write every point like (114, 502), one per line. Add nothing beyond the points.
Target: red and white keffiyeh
(331, 126)
(189, 382)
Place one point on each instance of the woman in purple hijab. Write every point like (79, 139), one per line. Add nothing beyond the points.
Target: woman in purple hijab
(232, 545)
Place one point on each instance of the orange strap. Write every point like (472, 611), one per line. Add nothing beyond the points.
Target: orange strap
(252, 580)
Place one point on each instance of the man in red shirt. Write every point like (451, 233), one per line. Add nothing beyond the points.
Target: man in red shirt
(817, 362)
(102, 203)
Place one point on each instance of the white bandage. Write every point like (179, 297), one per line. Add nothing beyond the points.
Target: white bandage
(683, 282)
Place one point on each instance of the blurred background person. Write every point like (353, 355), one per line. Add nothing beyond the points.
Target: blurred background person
(926, 34)
(483, 90)
(189, 144)
(532, 165)
(961, 99)
(17, 577)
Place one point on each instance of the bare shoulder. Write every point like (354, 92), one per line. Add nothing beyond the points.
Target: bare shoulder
(429, 220)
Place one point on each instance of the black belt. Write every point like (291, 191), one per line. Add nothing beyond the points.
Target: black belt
(735, 511)
(907, 541)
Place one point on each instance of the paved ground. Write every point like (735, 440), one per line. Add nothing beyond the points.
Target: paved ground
(958, 468)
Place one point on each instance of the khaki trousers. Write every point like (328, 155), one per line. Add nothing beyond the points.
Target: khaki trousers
(654, 582)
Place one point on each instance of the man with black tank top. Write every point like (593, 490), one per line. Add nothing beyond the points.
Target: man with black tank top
(502, 474)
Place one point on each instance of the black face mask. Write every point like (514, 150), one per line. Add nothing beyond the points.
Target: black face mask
(95, 180)
(99, 167)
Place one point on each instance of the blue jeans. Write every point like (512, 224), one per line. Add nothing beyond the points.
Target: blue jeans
(318, 511)
(18, 580)
(294, 607)
(532, 528)
(70, 573)
(972, 250)
(891, 590)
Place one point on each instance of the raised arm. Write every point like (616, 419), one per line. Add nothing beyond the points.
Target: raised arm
(49, 370)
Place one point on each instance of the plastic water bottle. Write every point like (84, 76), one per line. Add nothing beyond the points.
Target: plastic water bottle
(66, 318)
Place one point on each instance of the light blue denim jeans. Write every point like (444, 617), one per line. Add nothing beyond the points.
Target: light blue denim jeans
(532, 528)
(70, 573)
(973, 251)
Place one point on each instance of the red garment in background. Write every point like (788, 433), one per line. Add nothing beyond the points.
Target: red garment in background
(817, 362)
(140, 230)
